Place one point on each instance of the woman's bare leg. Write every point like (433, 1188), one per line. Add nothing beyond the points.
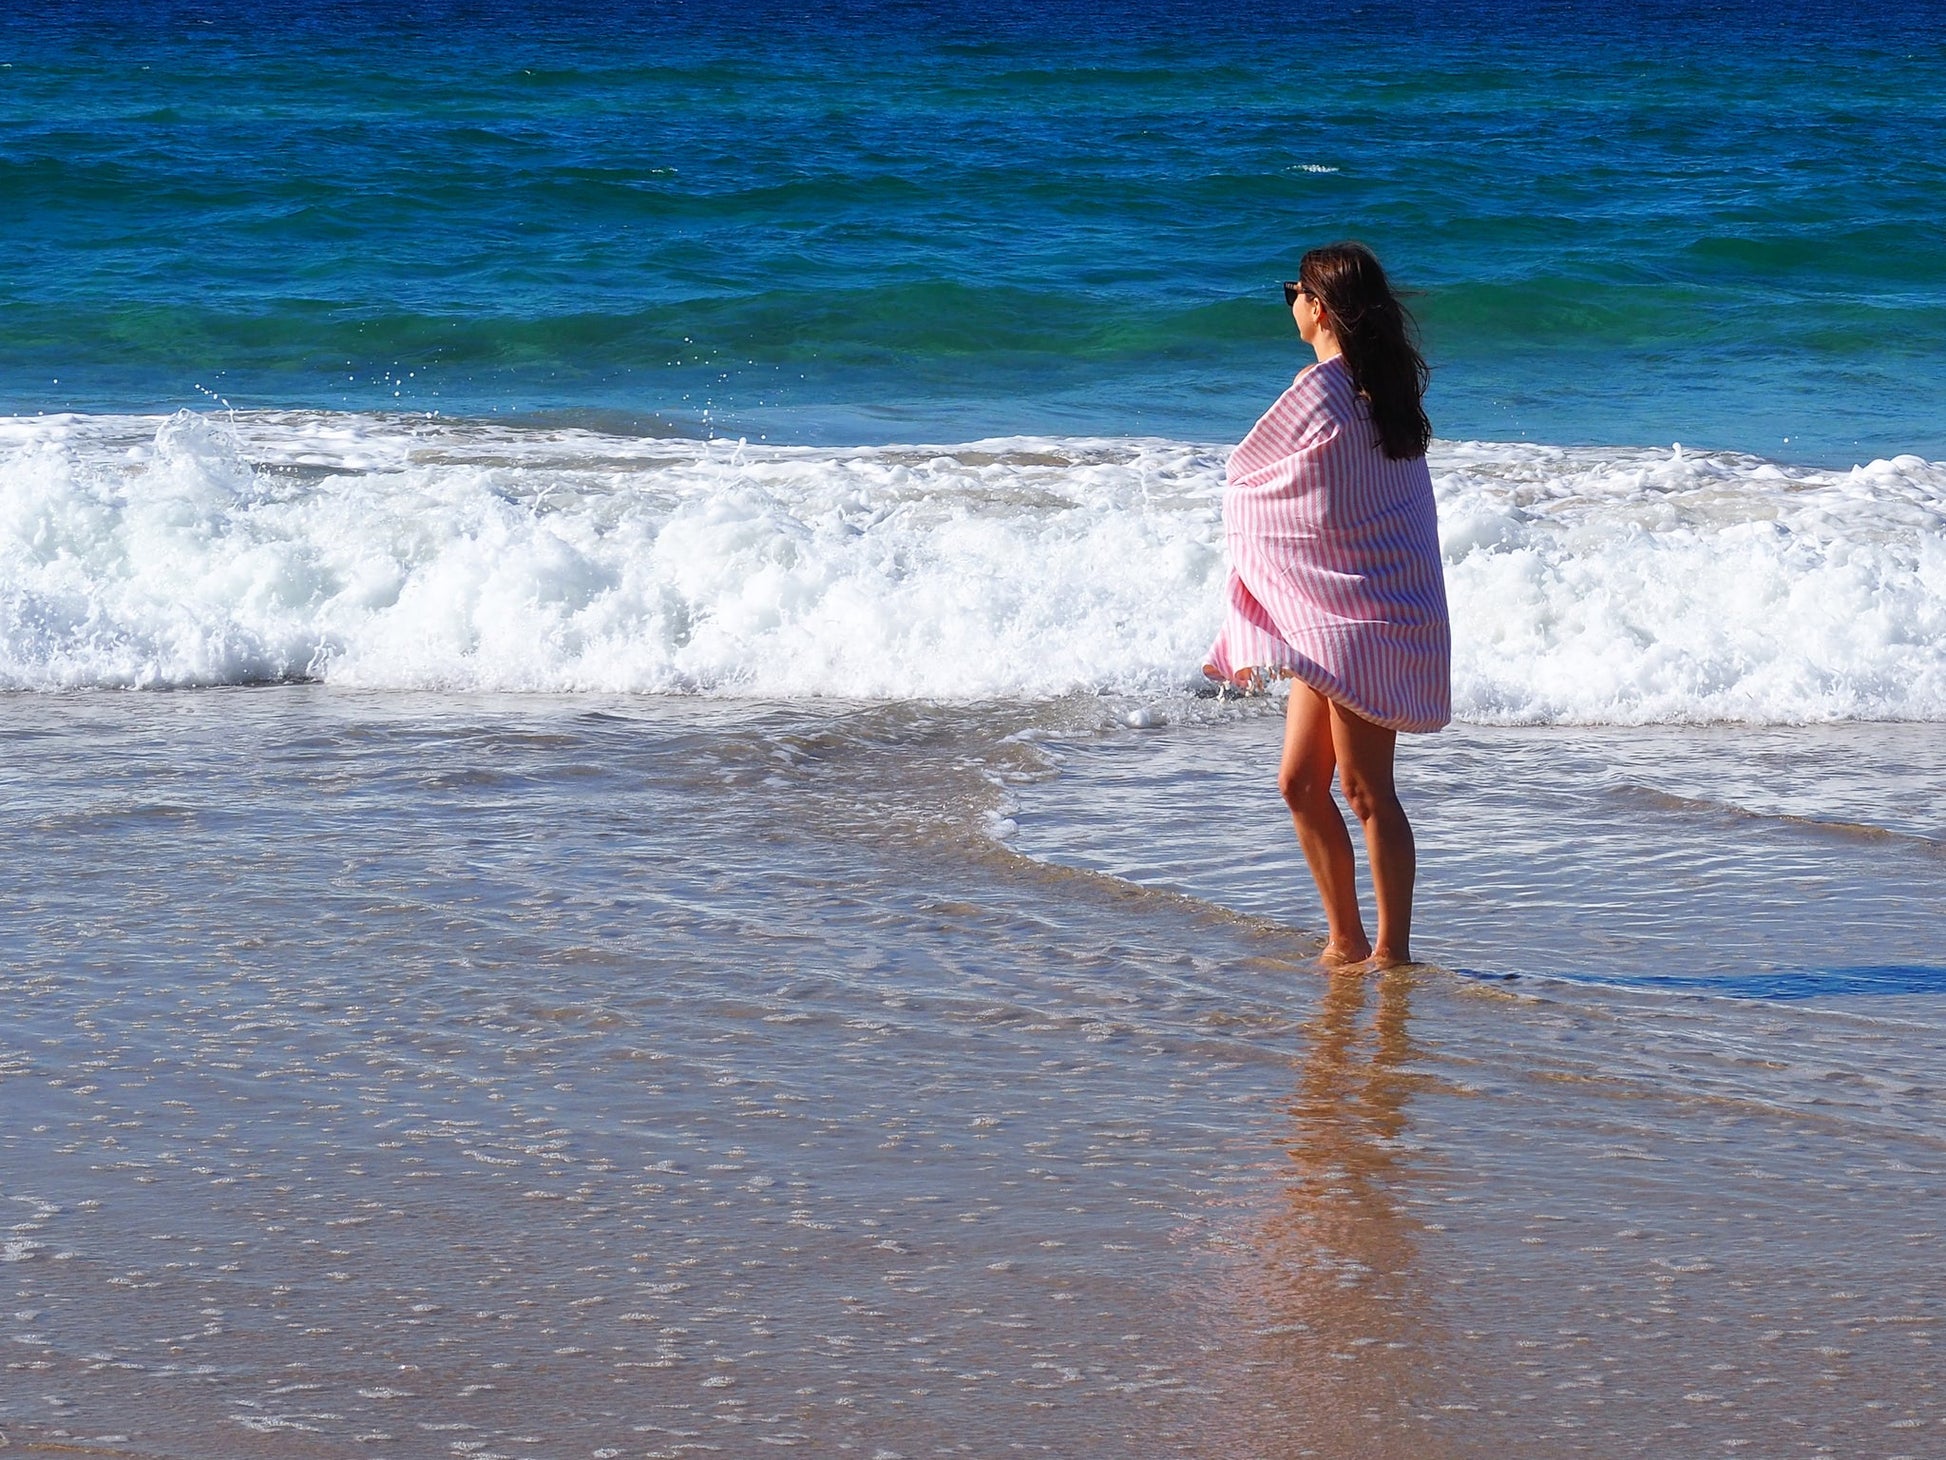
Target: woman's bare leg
(1363, 752)
(1304, 778)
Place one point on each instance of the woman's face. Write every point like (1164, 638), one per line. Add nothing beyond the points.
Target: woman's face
(1309, 317)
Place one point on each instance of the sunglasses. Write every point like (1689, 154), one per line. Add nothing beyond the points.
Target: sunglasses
(1292, 288)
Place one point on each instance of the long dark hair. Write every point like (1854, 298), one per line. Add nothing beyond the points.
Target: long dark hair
(1379, 339)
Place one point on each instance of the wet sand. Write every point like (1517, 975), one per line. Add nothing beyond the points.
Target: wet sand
(395, 1076)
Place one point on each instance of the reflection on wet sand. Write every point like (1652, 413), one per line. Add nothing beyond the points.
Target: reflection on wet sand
(1337, 1313)
(1464, 1248)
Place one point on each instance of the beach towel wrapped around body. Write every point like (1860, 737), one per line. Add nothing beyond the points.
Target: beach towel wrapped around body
(1334, 560)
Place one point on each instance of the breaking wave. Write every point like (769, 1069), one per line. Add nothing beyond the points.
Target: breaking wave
(1596, 585)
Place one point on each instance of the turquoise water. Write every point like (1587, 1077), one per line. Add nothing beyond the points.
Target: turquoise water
(1632, 224)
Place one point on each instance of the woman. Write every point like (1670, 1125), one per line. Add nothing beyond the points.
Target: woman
(1335, 582)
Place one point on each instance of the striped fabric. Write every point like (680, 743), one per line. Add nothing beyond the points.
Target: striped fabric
(1334, 560)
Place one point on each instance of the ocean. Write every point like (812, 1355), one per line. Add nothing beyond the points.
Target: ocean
(618, 845)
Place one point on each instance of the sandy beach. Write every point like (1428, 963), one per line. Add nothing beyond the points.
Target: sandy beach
(715, 1093)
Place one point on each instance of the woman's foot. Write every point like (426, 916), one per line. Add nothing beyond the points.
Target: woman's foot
(1342, 952)
(1384, 957)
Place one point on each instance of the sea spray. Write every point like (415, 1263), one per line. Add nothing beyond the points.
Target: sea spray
(1596, 585)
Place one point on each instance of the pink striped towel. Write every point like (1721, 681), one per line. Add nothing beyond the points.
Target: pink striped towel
(1334, 560)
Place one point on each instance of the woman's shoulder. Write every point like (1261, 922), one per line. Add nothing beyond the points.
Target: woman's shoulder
(1321, 393)
(1302, 417)
(1321, 389)
(1327, 380)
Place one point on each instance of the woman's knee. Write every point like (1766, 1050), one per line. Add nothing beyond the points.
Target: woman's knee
(1370, 799)
(1302, 787)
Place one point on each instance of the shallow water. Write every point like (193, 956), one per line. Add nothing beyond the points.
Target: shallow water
(390, 1075)
(1797, 859)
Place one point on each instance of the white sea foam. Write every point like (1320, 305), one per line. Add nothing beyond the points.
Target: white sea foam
(1634, 587)
(1587, 585)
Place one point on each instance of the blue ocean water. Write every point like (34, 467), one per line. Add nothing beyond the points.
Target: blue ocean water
(925, 219)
